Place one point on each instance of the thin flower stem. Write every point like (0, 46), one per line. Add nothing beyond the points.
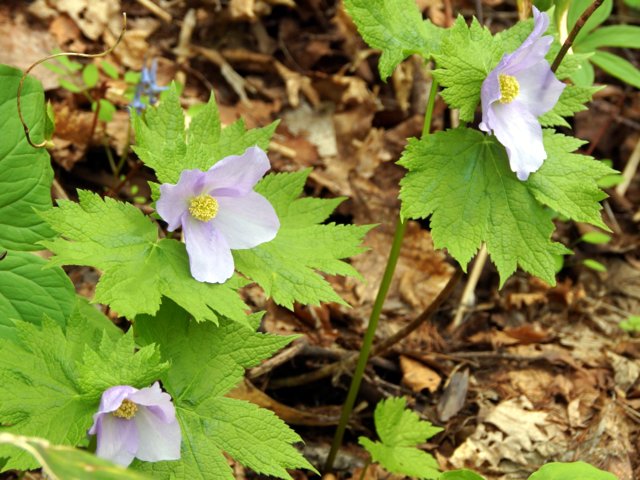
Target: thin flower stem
(365, 468)
(574, 33)
(369, 335)
(56, 55)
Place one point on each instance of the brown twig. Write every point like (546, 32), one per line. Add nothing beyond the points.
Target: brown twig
(56, 55)
(349, 359)
(574, 33)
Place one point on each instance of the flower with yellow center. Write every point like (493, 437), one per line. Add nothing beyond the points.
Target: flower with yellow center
(509, 88)
(136, 423)
(203, 207)
(126, 410)
(519, 90)
(219, 211)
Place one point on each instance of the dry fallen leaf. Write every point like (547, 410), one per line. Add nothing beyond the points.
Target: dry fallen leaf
(418, 376)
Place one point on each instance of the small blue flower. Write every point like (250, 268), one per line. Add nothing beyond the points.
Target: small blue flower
(149, 79)
(147, 86)
(137, 104)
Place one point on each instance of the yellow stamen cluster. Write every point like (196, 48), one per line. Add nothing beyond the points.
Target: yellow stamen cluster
(509, 88)
(126, 410)
(203, 207)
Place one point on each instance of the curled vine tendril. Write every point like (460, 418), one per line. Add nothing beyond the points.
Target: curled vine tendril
(55, 55)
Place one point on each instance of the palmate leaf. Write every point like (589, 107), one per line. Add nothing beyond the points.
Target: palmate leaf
(470, 53)
(206, 363)
(286, 268)
(397, 28)
(164, 146)
(462, 179)
(53, 379)
(138, 269)
(25, 171)
(290, 267)
(400, 431)
(467, 55)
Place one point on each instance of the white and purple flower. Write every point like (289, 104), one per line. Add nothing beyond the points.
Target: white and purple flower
(519, 90)
(218, 211)
(133, 423)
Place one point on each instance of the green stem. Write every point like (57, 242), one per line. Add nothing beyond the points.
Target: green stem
(369, 335)
(125, 154)
(426, 128)
(365, 468)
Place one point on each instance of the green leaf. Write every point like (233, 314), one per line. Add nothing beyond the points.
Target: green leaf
(401, 430)
(207, 362)
(617, 67)
(50, 390)
(163, 145)
(65, 463)
(138, 269)
(467, 56)
(462, 474)
(623, 36)
(594, 265)
(571, 471)
(568, 182)
(462, 179)
(288, 268)
(584, 76)
(25, 172)
(90, 75)
(596, 238)
(572, 100)
(573, 97)
(69, 85)
(395, 27)
(110, 69)
(631, 324)
(28, 291)
(577, 7)
(107, 109)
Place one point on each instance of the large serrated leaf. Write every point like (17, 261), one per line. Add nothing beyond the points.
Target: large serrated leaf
(28, 291)
(395, 27)
(462, 179)
(25, 171)
(207, 362)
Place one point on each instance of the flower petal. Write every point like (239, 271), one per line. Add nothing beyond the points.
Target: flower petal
(246, 221)
(521, 134)
(539, 88)
(159, 440)
(489, 93)
(174, 199)
(209, 253)
(112, 398)
(532, 50)
(236, 175)
(117, 439)
(155, 399)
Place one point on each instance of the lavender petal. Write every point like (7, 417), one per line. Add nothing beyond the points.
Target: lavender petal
(117, 440)
(210, 256)
(246, 221)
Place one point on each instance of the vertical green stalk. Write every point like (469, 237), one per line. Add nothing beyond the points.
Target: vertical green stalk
(369, 335)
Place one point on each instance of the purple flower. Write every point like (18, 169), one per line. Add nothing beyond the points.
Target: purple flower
(520, 89)
(219, 211)
(148, 79)
(136, 423)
